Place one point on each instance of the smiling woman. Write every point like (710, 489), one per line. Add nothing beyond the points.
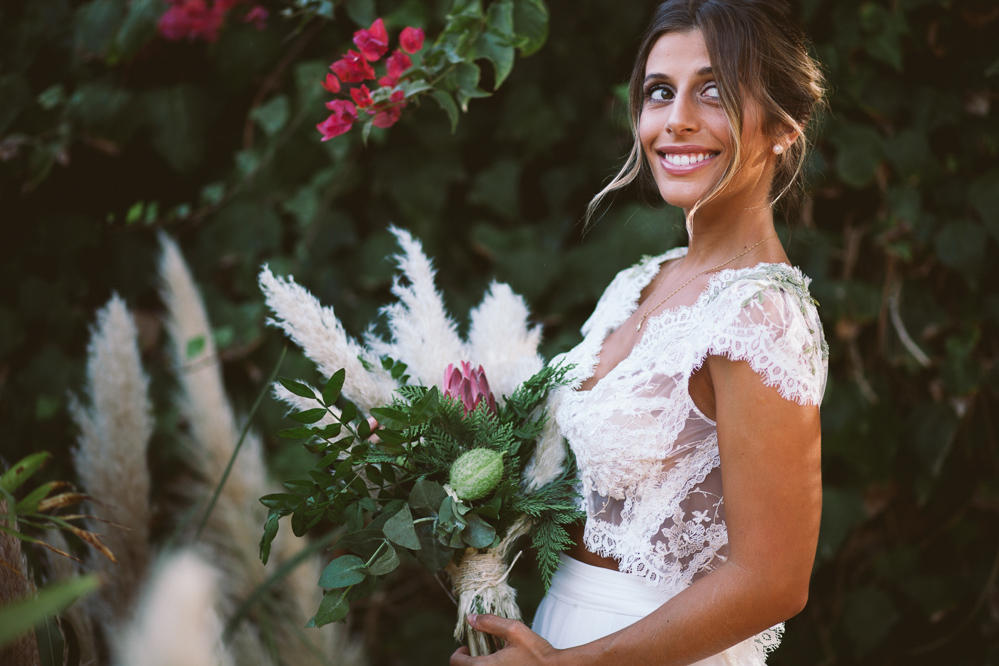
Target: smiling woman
(693, 411)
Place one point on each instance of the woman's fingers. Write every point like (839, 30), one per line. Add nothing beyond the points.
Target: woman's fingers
(373, 425)
(523, 646)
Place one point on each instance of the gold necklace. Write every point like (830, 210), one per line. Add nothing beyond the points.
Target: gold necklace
(706, 270)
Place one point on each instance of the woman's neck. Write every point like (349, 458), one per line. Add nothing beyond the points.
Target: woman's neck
(720, 233)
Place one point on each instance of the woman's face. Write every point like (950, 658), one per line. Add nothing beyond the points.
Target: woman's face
(684, 130)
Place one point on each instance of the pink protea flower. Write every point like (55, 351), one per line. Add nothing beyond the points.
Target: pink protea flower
(411, 39)
(468, 386)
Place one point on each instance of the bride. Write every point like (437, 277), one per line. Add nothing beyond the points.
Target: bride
(694, 415)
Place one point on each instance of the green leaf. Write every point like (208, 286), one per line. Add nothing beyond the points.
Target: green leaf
(96, 24)
(297, 388)
(961, 245)
(196, 345)
(333, 608)
(270, 531)
(361, 12)
(399, 529)
(478, 533)
(391, 418)
(446, 101)
(433, 554)
(344, 571)
(273, 115)
(138, 27)
(363, 542)
(23, 470)
(309, 415)
(386, 562)
(425, 407)
(496, 43)
(331, 391)
(858, 153)
(30, 502)
(426, 497)
(20, 616)
(285, 502)
(348, 413)
(530, 21)
(52, 97)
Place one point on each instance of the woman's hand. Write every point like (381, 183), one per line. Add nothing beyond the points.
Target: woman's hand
(522, 646)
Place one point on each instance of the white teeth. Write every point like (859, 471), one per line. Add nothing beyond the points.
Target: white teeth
(684, 160)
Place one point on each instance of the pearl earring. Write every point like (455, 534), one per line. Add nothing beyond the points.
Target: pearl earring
(778, 149)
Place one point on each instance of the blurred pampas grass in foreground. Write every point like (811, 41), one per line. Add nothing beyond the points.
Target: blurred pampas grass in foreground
(177, 624)
(233, 529)
(111, 457)
(177, 614)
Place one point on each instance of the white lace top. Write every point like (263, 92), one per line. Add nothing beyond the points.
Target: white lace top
(647, 457)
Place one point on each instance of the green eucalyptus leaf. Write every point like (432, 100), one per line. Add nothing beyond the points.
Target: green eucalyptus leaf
(344, 571)
(281, 502)
(391, 418)
(433, 555)
(363, 542)
(295, 433)
(386, 562)
(333, 608)
(478, 533)
(426, 497)
(399, 529)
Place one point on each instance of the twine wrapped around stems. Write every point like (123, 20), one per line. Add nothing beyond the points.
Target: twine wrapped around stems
(479, 584)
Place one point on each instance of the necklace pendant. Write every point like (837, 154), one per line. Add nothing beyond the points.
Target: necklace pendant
(640, 322)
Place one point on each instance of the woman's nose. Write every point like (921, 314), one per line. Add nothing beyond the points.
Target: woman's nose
(682, 118)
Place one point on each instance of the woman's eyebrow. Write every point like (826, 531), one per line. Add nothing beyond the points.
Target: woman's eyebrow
(703, 71)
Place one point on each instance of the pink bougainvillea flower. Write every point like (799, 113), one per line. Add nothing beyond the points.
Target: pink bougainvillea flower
(388, 82)
(398, 63)
(467, 386)
(361, 96)
(387, 118)
(411, 39)
(331, 84)
(257, 16)
(340, 121)
(353, 68)
(190, 19)
(372, 42)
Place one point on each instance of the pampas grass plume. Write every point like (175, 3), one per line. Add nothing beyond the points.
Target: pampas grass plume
(111, 456)
(177, 623)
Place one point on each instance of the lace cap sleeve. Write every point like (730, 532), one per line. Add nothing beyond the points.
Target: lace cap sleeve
(767, 317)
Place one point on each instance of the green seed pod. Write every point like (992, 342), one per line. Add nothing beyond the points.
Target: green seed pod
(475, 473)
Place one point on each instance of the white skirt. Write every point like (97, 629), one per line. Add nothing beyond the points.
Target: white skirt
(585, 603)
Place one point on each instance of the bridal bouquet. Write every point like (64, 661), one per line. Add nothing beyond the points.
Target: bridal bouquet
(464, 460)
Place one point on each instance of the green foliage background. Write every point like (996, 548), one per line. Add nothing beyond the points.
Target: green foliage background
(108, 133)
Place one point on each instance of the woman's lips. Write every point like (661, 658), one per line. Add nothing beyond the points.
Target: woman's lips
(682, 163)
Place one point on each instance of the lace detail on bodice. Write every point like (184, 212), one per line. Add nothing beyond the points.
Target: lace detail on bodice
(648, 459)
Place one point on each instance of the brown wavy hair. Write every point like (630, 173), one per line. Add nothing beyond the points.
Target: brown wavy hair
(759, 51)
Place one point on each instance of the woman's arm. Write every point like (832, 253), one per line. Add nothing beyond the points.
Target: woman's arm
(771, 481)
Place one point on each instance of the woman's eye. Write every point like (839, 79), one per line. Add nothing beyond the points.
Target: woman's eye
(660, 94)
(711, 91)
